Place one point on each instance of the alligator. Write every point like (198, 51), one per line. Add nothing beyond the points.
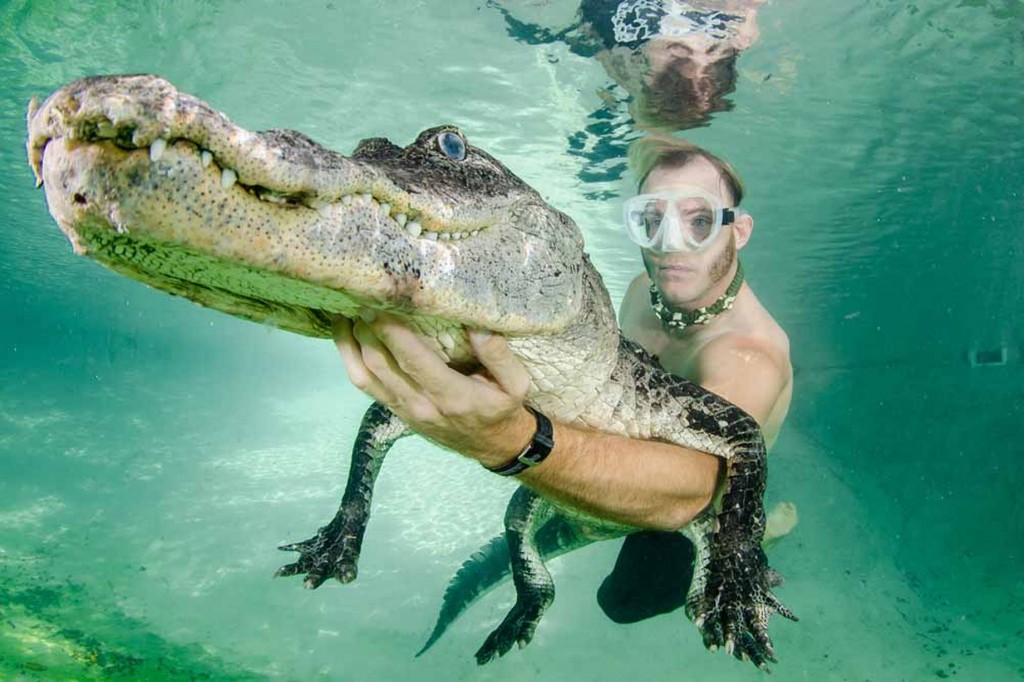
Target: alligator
(272, 227)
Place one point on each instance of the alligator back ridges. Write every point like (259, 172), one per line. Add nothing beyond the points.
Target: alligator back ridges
(489, 567)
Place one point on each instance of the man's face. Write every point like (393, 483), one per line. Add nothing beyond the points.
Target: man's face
(684, 278)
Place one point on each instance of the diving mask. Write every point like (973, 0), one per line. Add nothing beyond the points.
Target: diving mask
(681, 218)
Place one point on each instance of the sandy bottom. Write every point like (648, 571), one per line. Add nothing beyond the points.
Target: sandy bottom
(138, 533)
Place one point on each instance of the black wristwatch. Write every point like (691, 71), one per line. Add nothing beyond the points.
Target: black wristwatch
(535, 452)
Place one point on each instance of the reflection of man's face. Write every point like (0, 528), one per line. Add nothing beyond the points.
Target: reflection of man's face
(696, 51)
(685, 278)
(686, 82)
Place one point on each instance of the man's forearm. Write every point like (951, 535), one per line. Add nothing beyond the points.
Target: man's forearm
(641, 483)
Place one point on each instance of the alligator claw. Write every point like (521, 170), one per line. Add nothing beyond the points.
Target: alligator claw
(517, 628)
(733, 610)
(331, 553)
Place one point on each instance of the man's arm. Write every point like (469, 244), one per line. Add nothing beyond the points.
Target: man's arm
(641, 483)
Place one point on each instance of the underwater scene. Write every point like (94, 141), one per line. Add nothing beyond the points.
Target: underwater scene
(155, 454)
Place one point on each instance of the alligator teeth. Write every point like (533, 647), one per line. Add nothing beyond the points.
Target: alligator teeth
(206, 158)
(445, 236)
(457, 235)
(227, 178)
(432, 236)
(414, 228)
(400, 219)
(156, 150)
(385, 207)
(347, 199)
(367, 197)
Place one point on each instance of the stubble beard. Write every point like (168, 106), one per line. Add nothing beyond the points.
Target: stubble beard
(719, 269)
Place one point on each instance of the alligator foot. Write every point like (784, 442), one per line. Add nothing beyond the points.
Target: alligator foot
(332, 553)
(518, 627)
(736, 603)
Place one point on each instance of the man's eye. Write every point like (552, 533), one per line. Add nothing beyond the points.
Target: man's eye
(701, 226)
(652, 219)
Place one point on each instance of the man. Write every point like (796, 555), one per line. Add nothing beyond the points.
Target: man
(693, 309)
(734, 348)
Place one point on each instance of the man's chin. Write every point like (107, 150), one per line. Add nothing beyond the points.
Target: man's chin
(677, 290)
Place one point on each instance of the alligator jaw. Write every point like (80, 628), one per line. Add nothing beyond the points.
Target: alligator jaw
(271, 226)
(279, 166)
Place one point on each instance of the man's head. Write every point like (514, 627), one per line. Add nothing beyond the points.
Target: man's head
(667, 166)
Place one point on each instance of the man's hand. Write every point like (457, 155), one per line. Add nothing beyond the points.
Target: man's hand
(480, 415)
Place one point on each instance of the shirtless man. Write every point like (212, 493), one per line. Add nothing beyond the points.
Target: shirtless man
(739, 352)
(692, 309)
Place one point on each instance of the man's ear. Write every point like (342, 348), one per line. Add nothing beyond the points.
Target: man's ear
(742, 228)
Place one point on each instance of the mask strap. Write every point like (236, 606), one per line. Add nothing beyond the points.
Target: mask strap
(679, 320)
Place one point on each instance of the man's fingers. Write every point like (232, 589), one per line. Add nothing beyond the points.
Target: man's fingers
(351, 353)
(494, 354)
(419, 361)
(404, 391)
(348, 347)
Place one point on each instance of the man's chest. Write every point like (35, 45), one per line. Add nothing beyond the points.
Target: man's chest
(678, 354)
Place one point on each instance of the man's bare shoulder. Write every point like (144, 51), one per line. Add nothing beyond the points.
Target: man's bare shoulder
(756, 329)
(635, 310)
(750, 350)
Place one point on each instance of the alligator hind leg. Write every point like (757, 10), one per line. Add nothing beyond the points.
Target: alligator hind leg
(334, 551)
(535, 590)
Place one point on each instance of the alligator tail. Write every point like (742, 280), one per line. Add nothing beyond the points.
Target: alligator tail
(489, 567)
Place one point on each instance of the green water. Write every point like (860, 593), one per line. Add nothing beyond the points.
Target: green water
(153, 454)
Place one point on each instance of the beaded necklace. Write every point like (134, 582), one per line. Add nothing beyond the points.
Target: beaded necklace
(679, 320)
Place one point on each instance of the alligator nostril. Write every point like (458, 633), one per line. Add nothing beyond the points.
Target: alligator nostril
(79, 198)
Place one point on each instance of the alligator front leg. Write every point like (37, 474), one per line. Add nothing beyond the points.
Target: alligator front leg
(732, 601)
(535, 590)
(334, 551)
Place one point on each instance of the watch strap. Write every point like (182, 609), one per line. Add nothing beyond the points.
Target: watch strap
(535, 452)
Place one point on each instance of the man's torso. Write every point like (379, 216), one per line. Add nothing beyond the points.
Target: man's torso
(680, 353)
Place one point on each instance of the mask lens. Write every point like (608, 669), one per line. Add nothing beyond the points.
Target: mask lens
(653, 215)
(645, 216)
(696, 218)
(675, 220)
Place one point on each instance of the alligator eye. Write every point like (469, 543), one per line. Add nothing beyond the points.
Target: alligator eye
(452, 144)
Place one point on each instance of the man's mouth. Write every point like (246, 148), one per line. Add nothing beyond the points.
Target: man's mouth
(676, 268)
